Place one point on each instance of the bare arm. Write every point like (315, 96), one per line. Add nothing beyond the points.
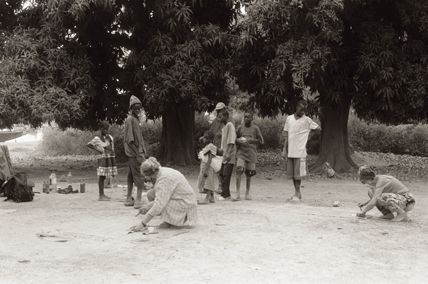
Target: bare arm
(372, 202)
(374, 194)
(228, 153)
(285, 148)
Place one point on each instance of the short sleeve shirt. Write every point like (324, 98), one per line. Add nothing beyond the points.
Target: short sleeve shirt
(228, 136)
(298, 134)
(246, 151)
(133, 134)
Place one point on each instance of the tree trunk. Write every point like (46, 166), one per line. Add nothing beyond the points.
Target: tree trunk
(334, 137)
(177, 142)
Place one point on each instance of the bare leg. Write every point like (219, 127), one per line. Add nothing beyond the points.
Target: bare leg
(247, 192)
(297, 184)
(130, 182)
(138, 202)
(102, 196)
(401, 216)
(238, 186)
(211, 197)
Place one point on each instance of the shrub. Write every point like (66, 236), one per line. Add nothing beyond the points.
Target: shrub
(400, 139)
(68, 142)
(271, 130)
(363, 136)
(201, 125)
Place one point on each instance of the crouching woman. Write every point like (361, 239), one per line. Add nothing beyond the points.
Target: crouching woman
(387, 193)
(171, 197)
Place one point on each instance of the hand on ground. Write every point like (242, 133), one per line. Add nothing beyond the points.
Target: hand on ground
(138, 228)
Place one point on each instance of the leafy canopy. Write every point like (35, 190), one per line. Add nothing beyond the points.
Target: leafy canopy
(371, 52)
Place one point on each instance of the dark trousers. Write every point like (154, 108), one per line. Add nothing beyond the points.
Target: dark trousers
(225, 175)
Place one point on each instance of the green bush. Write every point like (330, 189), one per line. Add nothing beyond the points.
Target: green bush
(68, 142)
(201, 125)
(151, 129)
(363, 136)
(271, 130)
(401, 139)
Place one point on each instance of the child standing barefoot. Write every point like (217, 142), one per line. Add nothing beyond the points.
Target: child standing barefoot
(249, 136)
(296, 134)
(107, 162)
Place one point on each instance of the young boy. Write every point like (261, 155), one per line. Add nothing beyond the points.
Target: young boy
(228, 148)
(296, 133)
(387, 193)
(249, 136)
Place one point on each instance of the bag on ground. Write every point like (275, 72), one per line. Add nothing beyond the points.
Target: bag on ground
(18, 189)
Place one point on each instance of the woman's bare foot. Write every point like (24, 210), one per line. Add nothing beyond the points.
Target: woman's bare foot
(387, 216)
(238, 198)
(248, 197)
(402, 217)
(165, 225)
(104, 198)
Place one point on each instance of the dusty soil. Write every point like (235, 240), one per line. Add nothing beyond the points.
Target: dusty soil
(76, 239)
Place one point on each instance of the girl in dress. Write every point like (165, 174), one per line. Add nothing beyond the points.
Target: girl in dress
(107, 161)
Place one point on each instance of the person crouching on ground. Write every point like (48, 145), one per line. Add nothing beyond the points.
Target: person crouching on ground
(296, 134)
(107, 162)
(387, 193)
(171, 197)
(249, 136)
(135, 151)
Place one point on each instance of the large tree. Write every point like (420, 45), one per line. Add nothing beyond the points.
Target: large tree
(41, 77)
(371, 55)
(173, 55)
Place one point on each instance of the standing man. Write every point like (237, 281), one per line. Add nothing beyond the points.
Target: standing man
(135, 150)
(249, 136)
(296, 132)
(228, 148)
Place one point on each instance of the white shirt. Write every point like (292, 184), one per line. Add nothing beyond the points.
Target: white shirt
(298, 134)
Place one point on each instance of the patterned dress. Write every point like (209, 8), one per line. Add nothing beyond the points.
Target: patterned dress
(175, 200)
(395, 195)
(107, 161)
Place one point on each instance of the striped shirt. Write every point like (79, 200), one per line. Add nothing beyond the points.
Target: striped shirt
(175, 199)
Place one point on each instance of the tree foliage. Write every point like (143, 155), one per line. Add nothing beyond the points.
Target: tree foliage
(79, 61)
(41, 77)
(373, 52)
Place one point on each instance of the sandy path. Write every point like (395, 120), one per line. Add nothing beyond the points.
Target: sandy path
(259, 241)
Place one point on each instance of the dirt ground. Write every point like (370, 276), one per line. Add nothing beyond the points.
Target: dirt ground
(76, 239)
